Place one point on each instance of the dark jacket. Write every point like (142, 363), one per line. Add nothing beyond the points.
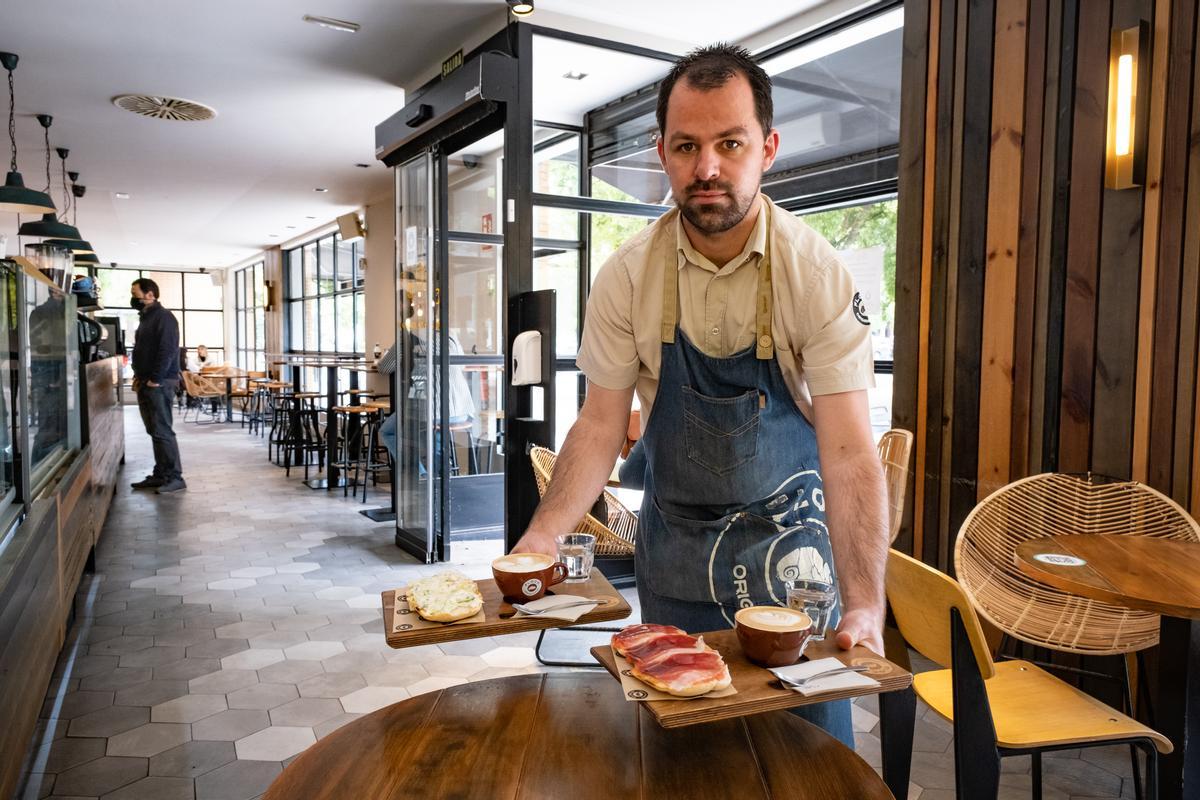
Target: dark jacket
(156, 347)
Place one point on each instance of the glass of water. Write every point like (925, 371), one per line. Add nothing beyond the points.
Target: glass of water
(577, 551)
(815, 598)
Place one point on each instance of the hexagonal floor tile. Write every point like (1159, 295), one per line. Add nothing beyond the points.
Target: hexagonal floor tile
(192, 759)
(314, 651)
(263, 696)
(372, 698)
(396, 675)
(109, 721)
(510, 657)
(241, 780)
(456, 666)
(148, 740)
(229, 726)
(274, 744)
(252, 659)
(100, 776)
(157, 788)
(297, 568)
(189, 708)
(151, 693)
(252, 572)
(305, 712)
(244, 630)
(433, 684)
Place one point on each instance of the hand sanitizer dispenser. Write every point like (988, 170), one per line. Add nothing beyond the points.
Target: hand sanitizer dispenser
(527, 358)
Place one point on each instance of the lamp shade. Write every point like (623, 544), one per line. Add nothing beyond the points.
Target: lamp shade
(89, 258)
(49, 225)
(77, 246)
(16, 198)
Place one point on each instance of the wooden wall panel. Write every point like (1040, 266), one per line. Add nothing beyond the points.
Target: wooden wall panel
(273, 320)
(1057, 322)
(1004, 194)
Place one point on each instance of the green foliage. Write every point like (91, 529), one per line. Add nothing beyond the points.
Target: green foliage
(859, 227)
(610, 231)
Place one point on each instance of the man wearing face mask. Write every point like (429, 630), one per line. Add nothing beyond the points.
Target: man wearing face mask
(155, 376)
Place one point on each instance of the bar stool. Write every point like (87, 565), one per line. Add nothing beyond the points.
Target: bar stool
(377, 458)
(472, 459)
(303, 432)
(349, 421)
(277, 415)
(260, 397)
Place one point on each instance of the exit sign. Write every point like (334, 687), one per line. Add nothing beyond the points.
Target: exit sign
(452, 63)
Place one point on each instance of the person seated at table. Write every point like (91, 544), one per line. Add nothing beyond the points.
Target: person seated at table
(197, 361)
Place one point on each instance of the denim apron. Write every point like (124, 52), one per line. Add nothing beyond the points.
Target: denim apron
(733, 503)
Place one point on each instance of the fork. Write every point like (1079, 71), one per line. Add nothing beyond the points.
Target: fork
(802, 682)
(584, 601)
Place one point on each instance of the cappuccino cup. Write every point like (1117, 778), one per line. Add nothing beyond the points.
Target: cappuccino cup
(526, 576)
(772, 636)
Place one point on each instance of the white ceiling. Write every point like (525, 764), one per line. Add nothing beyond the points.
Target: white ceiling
(296, 104)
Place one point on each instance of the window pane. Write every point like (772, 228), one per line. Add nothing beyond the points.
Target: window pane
(170, 285)
(325, 274)
(310, 269)
(239, 290)
(360, 324)
(555, 161)
(610, 231)
(256, 283)
(474, 296)
(240, 321)
(200, 292)
(114, 286)
(296, 320)
(345, 322)
(259, 338)
(203, 328)
(473, 176)
(310, 324)
(328, 342)
(559, 270)
(295, 273)
(345, 264)
(555, 223)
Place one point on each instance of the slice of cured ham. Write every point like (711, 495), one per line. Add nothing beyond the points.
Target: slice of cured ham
(635, 635)
(684, 672)
(651, 647)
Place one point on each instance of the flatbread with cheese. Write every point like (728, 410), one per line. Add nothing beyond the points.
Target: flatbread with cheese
(445, 597)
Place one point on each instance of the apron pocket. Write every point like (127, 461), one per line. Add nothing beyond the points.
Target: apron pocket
(720, 433)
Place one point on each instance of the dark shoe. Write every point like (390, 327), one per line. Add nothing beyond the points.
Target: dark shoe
(172, 486)
(148, 482)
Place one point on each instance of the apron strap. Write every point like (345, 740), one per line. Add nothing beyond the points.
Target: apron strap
(764, 344)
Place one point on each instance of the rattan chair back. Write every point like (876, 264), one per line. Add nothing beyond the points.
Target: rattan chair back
(614, 539)
(1055, 504)
(895, 451)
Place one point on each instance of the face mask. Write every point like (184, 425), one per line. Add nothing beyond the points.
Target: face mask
(137, 302)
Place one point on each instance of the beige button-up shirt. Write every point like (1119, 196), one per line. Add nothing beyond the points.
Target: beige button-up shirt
(822, 345)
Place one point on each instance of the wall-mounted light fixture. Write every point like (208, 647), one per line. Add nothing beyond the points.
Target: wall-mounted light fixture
(1128, 106)
(268, 295)
(520, 8)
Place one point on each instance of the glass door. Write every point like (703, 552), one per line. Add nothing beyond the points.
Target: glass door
(417, 391)
(472, 327)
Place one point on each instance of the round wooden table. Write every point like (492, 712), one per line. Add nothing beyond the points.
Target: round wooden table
(1146, 574)
(568, 735)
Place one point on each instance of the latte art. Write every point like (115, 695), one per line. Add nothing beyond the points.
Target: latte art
(523, 562)
(774, 619)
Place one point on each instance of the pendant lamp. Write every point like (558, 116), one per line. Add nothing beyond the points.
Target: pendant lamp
(90, 258)
(79, 247)
(15, 198)
(49, 224)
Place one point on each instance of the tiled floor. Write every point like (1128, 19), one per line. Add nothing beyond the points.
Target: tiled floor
(228, 628)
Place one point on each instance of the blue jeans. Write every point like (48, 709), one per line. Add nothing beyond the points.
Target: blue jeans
(387, 432)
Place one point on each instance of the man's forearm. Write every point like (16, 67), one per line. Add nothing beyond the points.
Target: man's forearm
(857, 511)
(580, 473)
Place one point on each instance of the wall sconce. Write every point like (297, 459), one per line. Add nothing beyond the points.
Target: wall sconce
(268, 296)
(1128, 106)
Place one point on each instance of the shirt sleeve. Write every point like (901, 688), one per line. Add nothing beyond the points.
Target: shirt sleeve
(837, 354)
(387, 363)
(168, 347)
(608, 353)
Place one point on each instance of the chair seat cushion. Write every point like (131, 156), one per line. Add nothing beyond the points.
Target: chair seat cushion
(1032, 708)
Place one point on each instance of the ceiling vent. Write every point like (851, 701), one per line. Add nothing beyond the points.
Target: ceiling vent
(170, 108)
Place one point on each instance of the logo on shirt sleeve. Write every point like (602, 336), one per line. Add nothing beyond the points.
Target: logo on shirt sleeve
(860, 310)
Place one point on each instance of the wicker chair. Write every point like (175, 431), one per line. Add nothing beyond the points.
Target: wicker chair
(1057, 504)
(895, 450)
(202, 390)
(614, 539)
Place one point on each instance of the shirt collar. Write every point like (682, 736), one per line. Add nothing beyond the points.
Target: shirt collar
(755, 245)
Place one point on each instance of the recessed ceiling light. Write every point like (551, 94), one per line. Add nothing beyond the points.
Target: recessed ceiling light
(290, 227)
(572, 75)
(121, 195)
(320, 189)
(363, 166)
(333, 24)
(310, 217)
(273, 235)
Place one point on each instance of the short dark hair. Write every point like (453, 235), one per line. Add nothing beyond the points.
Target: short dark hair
(708, 68)
(147, 285)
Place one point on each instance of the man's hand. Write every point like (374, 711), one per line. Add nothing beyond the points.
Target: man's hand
(153, 385)
(536, 543)
(861, 626)
(137, 384)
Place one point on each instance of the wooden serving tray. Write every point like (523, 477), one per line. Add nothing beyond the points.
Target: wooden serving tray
(495, 625)
(757, 689)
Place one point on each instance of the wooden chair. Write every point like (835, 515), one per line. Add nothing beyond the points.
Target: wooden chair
(1002, 708)
(614, 538)
(895, 451)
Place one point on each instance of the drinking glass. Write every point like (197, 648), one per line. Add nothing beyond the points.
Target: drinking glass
(815, 598)
(577, 551)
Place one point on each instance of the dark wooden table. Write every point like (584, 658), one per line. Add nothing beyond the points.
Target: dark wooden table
(228, 375)
(569, 735)
(1146, 574)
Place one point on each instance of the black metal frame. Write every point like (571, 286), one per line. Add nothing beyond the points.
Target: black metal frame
(976, 754)
(184, 308)
(243, 279)
(291, 300)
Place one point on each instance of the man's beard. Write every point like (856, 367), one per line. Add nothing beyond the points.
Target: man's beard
(710, 218)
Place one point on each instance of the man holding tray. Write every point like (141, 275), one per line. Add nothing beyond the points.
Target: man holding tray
(748, 346)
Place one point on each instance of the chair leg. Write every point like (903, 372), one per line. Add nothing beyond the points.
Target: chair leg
(976, 759)
(1151, 770)
(1036, 774)
(1130, 709)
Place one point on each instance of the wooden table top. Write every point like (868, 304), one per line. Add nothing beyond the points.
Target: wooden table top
(568, 735)
(494, 607)
(1138, 572)
(757, 689)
